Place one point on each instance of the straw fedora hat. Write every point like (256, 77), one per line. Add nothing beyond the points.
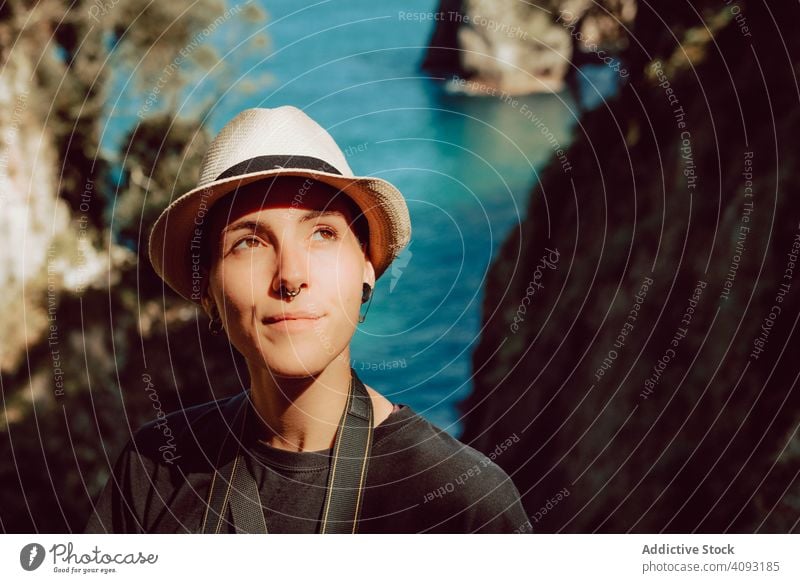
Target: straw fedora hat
(261, 143)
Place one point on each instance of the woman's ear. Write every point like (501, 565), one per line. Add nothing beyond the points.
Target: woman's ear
(369, 274)
(205, 295)
(208, 306)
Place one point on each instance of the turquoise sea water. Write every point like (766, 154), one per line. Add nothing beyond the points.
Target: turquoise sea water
(465, 164)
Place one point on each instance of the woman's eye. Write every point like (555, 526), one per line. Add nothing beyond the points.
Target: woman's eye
(326, 234)
(246, 243)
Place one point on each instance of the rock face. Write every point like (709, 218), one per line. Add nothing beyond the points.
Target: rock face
(642, 320)
(88, 337)
(513, 46)
(524, 47)
(40, 254)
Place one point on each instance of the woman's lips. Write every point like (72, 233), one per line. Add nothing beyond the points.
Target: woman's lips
(292, 321)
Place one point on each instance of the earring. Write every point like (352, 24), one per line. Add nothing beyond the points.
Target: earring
(366, 296)
(215, 324)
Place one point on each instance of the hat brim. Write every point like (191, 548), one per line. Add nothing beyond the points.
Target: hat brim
(176, 260)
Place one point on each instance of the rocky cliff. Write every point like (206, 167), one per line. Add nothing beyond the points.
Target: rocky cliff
(90, 345)
(642, 319)
(525, 47)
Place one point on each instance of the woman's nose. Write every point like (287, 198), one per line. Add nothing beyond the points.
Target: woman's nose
(292, 268)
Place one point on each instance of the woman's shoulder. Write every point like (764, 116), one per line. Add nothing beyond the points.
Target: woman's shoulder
(461, 487)
(418, 443)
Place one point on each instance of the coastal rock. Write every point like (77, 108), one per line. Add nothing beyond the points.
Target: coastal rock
(524, 47)
(648, 373)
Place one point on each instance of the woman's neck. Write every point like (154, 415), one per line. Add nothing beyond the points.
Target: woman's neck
(300, 414)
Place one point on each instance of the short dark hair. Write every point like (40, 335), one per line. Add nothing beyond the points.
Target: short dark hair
(360, 225)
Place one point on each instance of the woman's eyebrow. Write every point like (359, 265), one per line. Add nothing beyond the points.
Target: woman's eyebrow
(247, 224)
(254, 226)
(311, 215)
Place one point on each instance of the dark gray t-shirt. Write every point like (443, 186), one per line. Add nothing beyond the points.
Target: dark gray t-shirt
(420, 479)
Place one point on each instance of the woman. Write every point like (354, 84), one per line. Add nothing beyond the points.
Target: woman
(281, 245)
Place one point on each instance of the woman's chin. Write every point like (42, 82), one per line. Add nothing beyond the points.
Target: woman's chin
(298, 355)
(296, 363)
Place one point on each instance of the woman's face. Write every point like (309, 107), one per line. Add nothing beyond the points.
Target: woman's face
(296, 233)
